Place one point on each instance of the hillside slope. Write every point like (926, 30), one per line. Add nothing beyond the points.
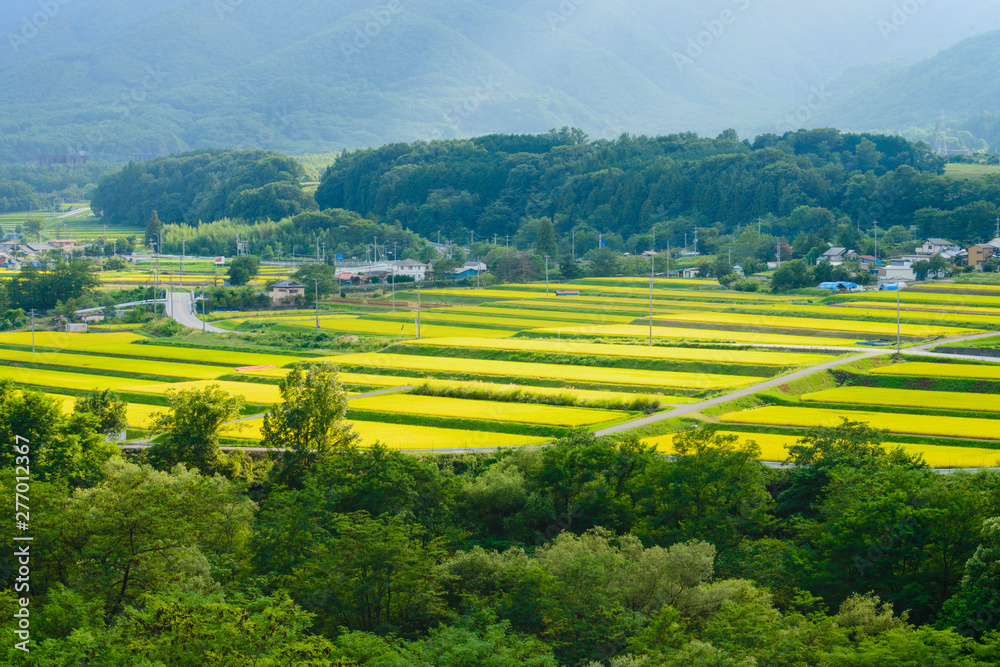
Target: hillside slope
(121, 78)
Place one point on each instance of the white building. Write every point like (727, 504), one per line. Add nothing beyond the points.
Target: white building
(410, 267)
(936, 246)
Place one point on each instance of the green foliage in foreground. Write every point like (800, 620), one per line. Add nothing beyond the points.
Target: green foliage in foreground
(594, 552)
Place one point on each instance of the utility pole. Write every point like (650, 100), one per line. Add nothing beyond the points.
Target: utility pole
(777, 247)
(316, 281)
(876, 243)
(652, 277)
(668, 260)
(418, 310)
(696, 240)
(183, 243)
(546, 276)
(899, 326)
(759, 221)
(203, 317)
(392, 268)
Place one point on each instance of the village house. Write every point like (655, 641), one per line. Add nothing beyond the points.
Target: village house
(284, 290)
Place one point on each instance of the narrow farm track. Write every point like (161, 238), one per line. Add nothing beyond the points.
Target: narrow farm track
(777, 382)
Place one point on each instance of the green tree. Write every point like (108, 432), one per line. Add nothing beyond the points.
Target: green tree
(184, 628)
(714, 490)
(242, 270)
(115, 264)
(33, 227)
(604, 262)
(973, 608)
(792, 275)
(108, 407)
(308, 274)
(153, 230)
(192, 428)
(545, 240)
(308, 424)
(375, 575)
(59, 447)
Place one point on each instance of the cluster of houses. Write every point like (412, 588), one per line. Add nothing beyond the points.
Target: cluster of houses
(285, 290)
(901, 268)
(14, 253)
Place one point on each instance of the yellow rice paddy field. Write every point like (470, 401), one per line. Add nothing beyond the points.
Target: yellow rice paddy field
(774, 447)
(545, 371)
(930, 425)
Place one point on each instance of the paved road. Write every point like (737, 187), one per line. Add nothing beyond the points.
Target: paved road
(777, 382)
(180, 307)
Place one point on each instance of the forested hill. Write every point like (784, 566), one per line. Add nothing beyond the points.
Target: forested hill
(816, 181)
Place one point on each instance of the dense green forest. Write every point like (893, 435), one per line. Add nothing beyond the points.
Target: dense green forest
(589, 552)
(29, 187)
(803, 189)
(822, 182)
(203, 186)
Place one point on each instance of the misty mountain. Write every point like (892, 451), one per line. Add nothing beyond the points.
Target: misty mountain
(960, 81)
(122, 78)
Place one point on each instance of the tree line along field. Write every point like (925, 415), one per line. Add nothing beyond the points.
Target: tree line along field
(514, 367)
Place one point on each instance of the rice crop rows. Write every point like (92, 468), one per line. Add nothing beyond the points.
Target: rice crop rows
(756, 357)
(403, 436)
(942, 400)
(406, 328)
(472, 317)
(628, 330)
(774, 447)
(461, 408)
(544, 371)
(789, 322)
(952, 427)
(63, 380)
(115, 365)
(942, 370)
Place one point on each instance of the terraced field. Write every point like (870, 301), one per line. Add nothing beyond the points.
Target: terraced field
(489, 410)
(909, 424)
(512, 367)
(547, 371)
(774, 447)
(755, 357)
(941, 370)
(682, 334)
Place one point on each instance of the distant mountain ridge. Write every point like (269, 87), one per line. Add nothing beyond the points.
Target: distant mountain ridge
(126, 78)
(962, 81)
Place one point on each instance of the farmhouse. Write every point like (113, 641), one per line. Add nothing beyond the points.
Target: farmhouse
(981, 252)
(936, 246)
(837, 256)
(410, 267)
(286, 289)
